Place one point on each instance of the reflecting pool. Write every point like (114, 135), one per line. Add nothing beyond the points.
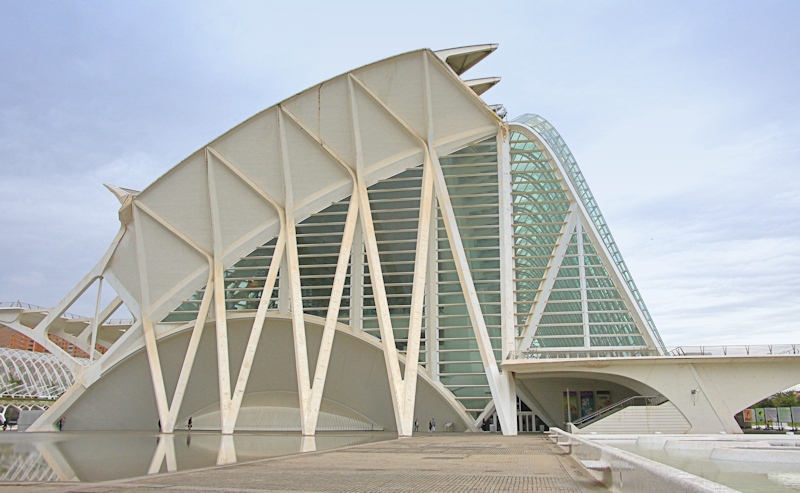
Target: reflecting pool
(103, 456)
(771, 474)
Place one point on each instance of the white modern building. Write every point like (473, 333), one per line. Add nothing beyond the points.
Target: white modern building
(380, 248)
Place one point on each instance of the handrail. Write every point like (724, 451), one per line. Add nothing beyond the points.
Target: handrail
(627, 472)
(28, 306)
(681, 351)
(72, 316)
(737, 350)
(648, 400)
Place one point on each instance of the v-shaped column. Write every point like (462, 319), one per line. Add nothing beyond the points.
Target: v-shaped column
(167, 413)
(310, 396)
(402, 387)
(231, 401)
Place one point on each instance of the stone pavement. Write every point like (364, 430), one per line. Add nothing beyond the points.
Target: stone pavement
(444, 463)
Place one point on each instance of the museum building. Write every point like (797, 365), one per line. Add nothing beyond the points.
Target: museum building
(381, 247)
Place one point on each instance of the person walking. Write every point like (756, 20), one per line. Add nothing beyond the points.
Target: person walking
(190, 423)
(61, 423)
(416, 424)
(433, 425)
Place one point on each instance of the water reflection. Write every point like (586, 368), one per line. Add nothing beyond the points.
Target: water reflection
(749, 477)
(102, 456)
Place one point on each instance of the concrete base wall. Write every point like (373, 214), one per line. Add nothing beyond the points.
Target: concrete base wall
(123, 399)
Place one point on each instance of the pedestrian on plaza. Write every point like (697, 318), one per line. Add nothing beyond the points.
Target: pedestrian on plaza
(190, 423)
(433, 425)
(5, 424)
(159, 426)
(61, 423)
(416, 424)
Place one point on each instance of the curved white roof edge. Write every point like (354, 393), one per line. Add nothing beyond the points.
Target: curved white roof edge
(482, 85)
(299, 155)
(464, 58)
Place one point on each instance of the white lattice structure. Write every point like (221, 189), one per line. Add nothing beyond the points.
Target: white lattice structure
(375, 246)
(31, 375)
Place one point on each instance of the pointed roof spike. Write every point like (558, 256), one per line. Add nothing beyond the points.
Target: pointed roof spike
(464, 58)
(120, 193)
(480, 86)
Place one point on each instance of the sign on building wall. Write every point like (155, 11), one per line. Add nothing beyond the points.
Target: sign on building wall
(761, 417)
(749, 415)
(603, 398)
(771, 415)
(587, 402)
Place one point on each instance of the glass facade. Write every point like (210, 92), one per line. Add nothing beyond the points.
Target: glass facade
(583, 308)
(614, 327)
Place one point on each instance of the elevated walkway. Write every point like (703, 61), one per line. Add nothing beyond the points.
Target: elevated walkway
(706, 385)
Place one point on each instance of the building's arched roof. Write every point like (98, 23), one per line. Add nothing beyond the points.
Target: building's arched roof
(28, 374)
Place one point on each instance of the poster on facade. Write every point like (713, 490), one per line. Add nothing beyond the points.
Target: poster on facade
(587, 402)
(749, 415)
(570, 406)
(772, 415)
(603, 398)
(785, 415)
(760, 416)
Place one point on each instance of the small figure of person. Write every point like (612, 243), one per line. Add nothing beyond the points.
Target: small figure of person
(159, 426)
(433, 425)
(61, 423)
(190, 423)
(5, 424)
(416, 424)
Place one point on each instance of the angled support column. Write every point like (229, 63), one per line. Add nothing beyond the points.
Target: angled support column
(584, 294)
(40, 333)
(506, 210)
(233, 405)
(164, 450)
(357, 277)
(549, 280)
(168, 412)
(502, 393)
(310, 393)
(402, 387)
(231, 401)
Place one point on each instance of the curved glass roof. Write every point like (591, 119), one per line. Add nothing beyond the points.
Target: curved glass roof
(556, 142)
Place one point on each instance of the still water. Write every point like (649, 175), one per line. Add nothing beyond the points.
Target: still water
(103, 456)
(755, 477)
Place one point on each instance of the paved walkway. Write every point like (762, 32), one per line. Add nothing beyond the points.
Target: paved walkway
(445, 463)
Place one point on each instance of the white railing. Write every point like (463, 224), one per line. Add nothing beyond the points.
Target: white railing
(565, 353)
(624, 471)
(28, 306)
(636, 400)
(72, 316)
(681, 351)
(738, 350)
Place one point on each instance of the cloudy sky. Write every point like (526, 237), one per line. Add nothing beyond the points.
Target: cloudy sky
(684, 116)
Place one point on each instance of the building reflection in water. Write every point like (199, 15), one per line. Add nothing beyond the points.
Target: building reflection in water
(103, 456)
